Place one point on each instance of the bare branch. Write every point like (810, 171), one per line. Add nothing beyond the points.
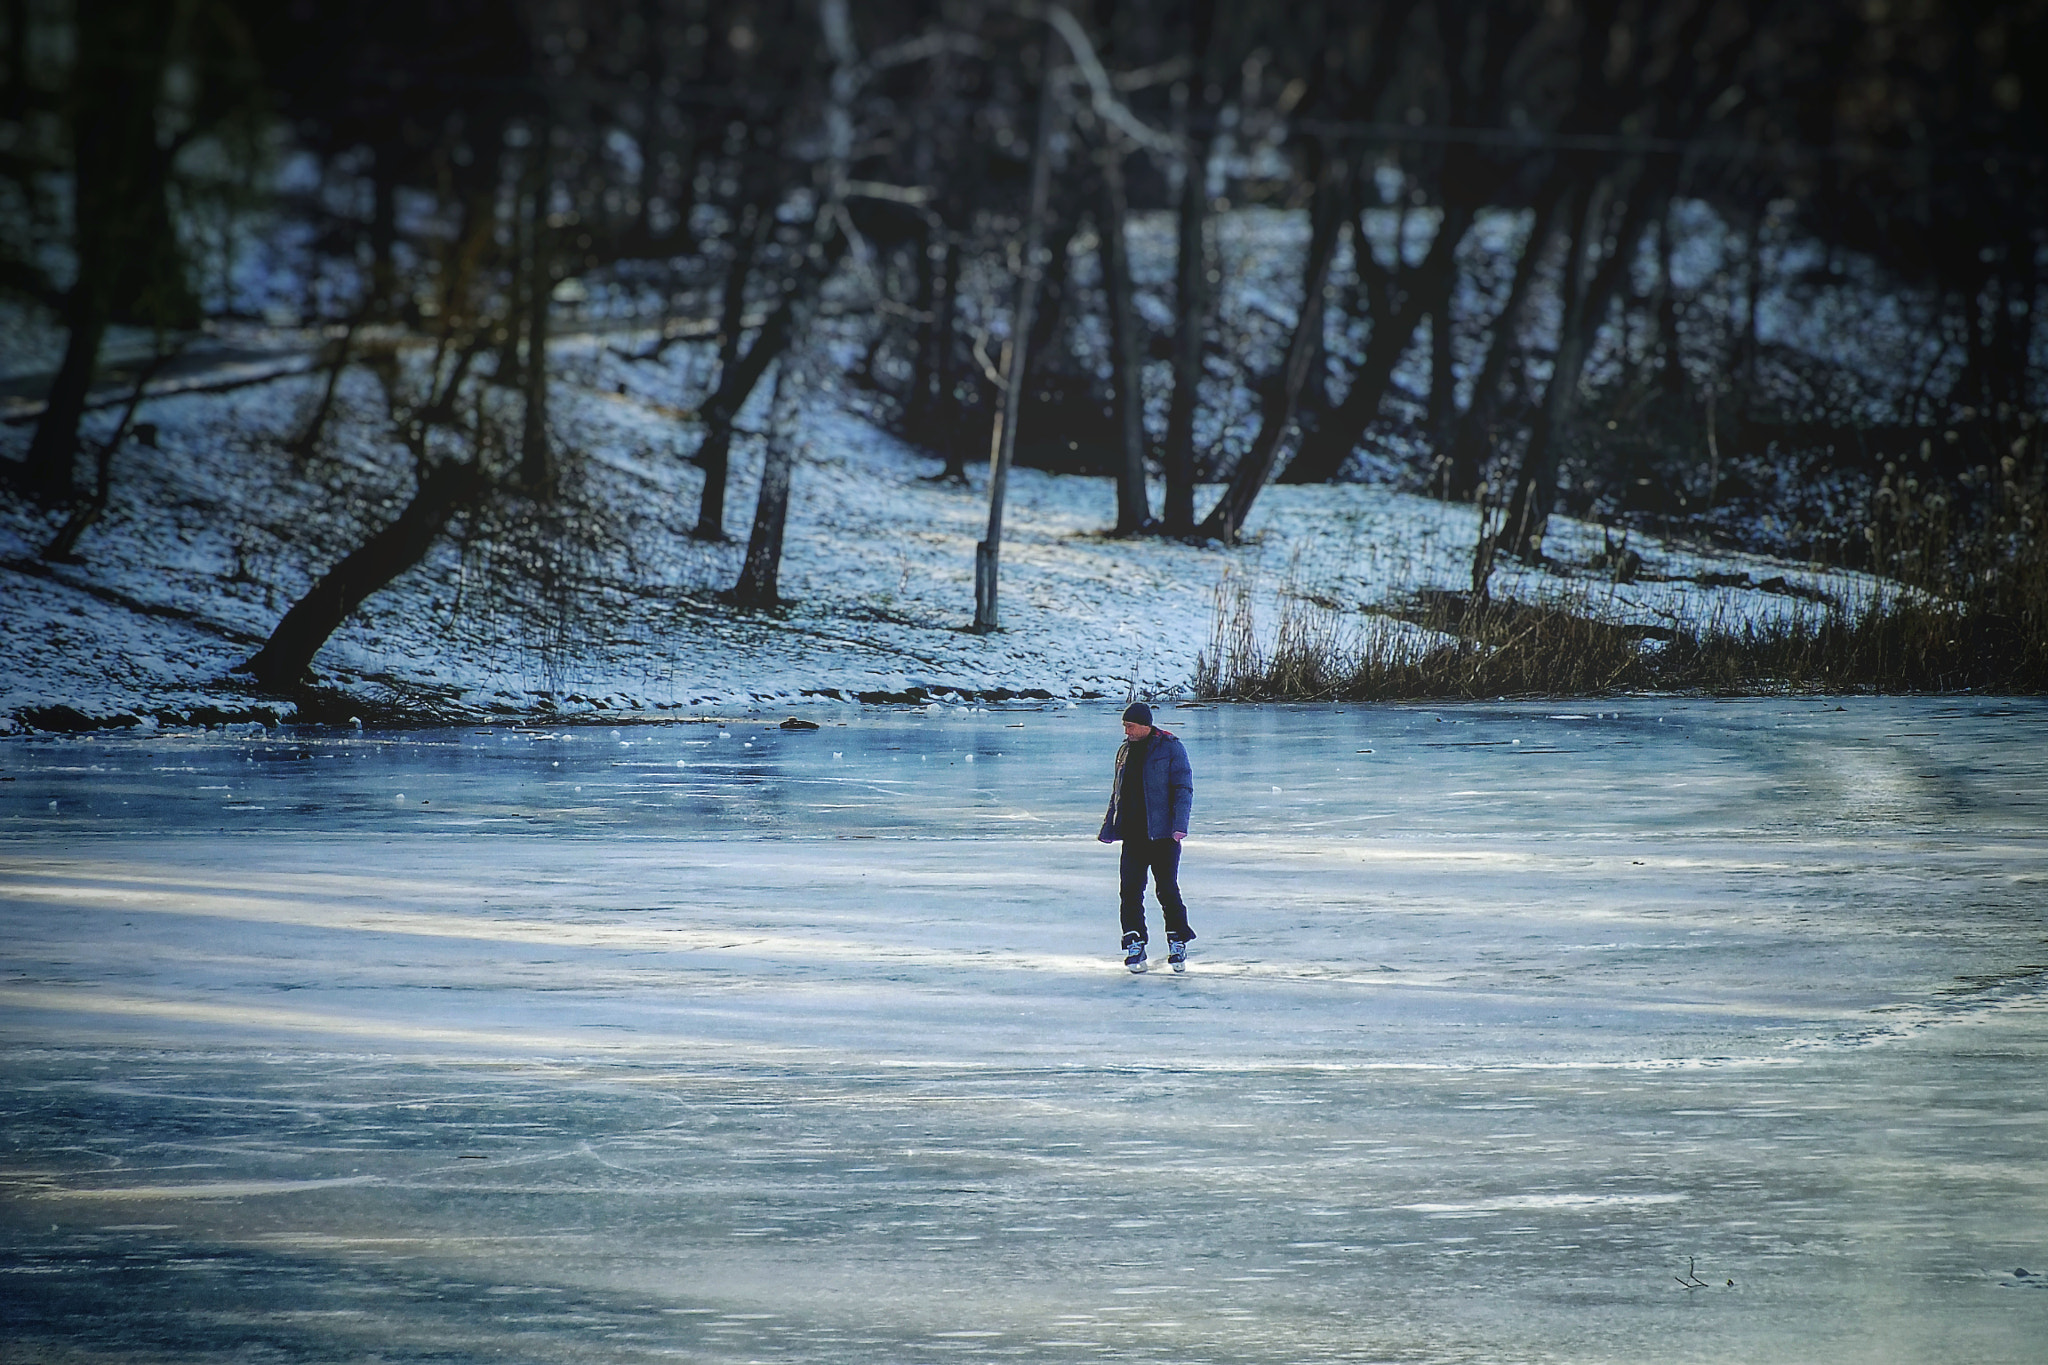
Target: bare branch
(1102, 90)
(921, 48)
(917, 196)
(989, 369)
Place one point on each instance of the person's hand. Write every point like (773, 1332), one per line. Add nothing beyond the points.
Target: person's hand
(1179, 835)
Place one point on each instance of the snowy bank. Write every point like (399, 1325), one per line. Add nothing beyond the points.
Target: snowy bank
(213, 531)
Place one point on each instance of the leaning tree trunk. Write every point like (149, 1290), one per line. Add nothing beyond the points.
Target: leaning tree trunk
(1331, 208)
(63, 547)
(1127, 392)
(1428, 294)
(1521, 500)
(737, 381)
(1468, 444)
(760, 575)
(1534, 496)
(283, 661)
(714, 452)
(50, 470)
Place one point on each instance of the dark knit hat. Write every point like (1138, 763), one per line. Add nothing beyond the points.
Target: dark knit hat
(1137, 713)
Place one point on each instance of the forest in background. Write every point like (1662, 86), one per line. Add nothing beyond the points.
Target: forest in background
(1749, 272)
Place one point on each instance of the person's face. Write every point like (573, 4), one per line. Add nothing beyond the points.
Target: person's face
(1133, 730)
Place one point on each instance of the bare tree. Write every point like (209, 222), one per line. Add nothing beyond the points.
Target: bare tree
(1327, 214)
(1017, 350)
(1127, 391)
(760, 573)
(443, 487)
(122, 238)
(1191, 299)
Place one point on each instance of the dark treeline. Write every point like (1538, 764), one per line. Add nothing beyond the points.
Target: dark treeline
(1717, 264)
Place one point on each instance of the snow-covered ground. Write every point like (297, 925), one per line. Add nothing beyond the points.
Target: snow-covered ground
(214, 528)
(213, 531)
(725, 1043)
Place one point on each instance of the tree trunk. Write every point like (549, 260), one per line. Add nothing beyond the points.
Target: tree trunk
(649, 72)
(1469, 446)
(922, 400)
(511, 368)
(1328, 214)
(1191, 277)
(1442, 411)
(1017, 355)
(1057, 257)
(946, 413)
(283, 661)
(1522, 498)
(760, 575)
(736, 382)
(383, 231)
(50, 470)
(119, 218)
(931, 419)
(536, 459)
(2020, 289)
(1127, 392)
(682, 238)
(63, 547)
(714, 453)
(1673, 372)
(307, 441)
(1191, 306)
(1752, 285)
(1535, 491)
(1427, 294)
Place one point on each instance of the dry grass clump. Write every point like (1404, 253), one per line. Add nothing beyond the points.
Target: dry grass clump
(1965, 607)
(1466, 649)
(1977, 545)
(1491, 647)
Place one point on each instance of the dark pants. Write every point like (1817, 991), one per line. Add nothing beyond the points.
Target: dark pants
(1160, 857)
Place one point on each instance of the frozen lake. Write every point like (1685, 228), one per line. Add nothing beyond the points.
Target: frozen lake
(725, 1043)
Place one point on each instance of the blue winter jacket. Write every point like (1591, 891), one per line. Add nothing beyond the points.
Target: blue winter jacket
(1169, 789)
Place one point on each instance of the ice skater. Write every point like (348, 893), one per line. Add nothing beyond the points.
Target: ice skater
(1149, 803)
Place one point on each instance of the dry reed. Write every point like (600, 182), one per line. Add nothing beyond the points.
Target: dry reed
(1963, 606)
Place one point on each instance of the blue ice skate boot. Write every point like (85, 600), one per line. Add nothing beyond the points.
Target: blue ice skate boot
(1177, 954)
(1134, 952)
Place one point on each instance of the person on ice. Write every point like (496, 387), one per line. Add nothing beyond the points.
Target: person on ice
(1149, 803)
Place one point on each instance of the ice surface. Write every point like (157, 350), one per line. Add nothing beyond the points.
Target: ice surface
(731, 1043)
